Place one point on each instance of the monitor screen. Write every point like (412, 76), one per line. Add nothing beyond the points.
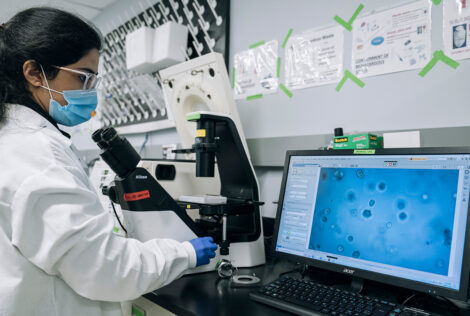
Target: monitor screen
(403, 216)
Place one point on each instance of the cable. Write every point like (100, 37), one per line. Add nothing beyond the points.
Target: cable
(144, 143)
(451, 304)
(117, 217)
(409, 298)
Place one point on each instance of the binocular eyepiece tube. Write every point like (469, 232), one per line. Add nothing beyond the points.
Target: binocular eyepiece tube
(116, 151)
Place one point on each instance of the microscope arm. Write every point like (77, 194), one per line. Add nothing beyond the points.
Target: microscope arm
(140, 192)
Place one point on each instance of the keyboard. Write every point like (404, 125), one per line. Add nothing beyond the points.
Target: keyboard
(304, 297)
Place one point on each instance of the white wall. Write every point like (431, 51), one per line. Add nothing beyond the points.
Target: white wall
(390, 102)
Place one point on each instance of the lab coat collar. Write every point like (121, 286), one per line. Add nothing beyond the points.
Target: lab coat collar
(31, 120)
(30, 117)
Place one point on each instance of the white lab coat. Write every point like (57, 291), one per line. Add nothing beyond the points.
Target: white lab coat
(58, 255)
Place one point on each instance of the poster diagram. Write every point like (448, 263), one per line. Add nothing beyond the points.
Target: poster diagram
(393, 40)
(314, 58)
(256, 71)
(457, 28)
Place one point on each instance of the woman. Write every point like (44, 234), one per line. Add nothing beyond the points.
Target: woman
(58, 253)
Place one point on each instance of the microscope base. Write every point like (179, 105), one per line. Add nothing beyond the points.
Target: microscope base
(242, 255)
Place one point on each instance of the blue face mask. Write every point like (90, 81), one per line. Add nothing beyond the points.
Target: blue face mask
(79, 108)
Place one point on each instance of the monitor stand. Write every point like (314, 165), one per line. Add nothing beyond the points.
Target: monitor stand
(326, 277)
(348, 282)
(357, 284)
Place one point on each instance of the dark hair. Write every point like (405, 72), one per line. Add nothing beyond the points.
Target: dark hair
(46, 35)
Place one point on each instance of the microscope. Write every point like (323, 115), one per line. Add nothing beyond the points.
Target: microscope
(145, 189)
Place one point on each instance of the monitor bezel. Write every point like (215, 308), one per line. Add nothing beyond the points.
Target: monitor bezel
(461, 294)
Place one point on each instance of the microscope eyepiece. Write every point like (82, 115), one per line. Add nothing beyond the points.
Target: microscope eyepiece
(116, 151)
(96, 136)
(109, 134)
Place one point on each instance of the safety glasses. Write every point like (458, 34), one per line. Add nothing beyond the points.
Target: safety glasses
(90, 80)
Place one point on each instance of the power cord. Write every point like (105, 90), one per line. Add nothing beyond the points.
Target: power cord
(144, 143)
(117, 217)
(409, 298)
(451, 304)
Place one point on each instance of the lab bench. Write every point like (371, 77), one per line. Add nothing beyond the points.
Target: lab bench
(205, 294)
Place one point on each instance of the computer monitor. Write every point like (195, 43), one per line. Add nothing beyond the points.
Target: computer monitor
(395, 216)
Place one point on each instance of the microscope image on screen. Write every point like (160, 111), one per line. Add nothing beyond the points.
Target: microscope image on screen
(400, 217)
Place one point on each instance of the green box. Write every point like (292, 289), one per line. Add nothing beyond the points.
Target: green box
(358, 141)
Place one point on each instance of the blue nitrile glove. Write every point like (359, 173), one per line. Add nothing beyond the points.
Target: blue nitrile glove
(205, 249)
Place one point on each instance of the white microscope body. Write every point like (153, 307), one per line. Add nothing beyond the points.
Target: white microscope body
(200, 84)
